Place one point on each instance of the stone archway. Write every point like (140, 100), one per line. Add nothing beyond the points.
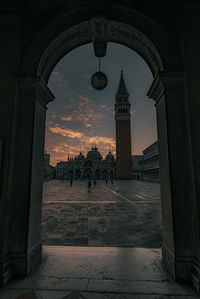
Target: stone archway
(97, 174)
(70, 174)
(45, 50)
(105, 174)
(78, 173)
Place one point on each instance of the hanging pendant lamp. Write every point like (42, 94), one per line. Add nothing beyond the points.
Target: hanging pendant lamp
(99, 80)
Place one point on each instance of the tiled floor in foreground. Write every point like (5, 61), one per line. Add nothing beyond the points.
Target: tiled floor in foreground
(99, 272)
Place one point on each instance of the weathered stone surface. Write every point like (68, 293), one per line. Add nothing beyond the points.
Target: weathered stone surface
(128, 214)
(100, 273)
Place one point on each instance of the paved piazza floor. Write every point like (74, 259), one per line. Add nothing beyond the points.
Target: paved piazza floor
(127, 213)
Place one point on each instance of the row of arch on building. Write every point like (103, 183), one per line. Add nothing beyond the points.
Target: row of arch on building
(87, 173)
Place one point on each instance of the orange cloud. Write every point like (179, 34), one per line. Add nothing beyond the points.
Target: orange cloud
(49, 123)
(52, 114)
(66, 132)
(58, 149)
(78, 141)
(104, 140)
(84, 99)
(95, 116)
(59, 78)
(66, 118)
(84, 111)
(69, 106)
(63, 81)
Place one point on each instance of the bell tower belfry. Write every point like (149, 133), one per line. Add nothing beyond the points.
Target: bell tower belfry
(123, 132)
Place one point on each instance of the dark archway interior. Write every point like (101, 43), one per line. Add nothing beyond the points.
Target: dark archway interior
(169, 43)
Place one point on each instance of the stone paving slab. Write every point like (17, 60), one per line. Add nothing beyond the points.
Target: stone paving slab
(127, 213)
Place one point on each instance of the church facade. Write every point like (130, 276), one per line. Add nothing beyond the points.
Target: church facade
(92, 166)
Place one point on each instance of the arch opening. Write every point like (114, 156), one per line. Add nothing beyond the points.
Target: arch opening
(161, 56)
(96, 112)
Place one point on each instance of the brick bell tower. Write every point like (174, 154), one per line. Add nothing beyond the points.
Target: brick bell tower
(123, 132)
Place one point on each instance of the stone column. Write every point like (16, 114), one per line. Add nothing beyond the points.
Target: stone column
(189, 24)
(33, 95)
(9, 62)
(168, 91)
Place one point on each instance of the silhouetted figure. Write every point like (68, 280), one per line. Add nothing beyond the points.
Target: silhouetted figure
(89, 185)
(71, 181)
(106, 180)
(94, 182)
(112, 181)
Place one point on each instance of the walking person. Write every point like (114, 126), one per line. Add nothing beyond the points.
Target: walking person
(94, 183)
(71, 181)
(111, 179)
(106, 180)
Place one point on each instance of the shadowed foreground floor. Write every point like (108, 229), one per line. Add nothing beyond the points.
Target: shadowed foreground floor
(99, 272)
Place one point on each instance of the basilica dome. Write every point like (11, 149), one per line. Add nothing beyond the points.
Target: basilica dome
(110, 157)
(80, 157)
(94, 154)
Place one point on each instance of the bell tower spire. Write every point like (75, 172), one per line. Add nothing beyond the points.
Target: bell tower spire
(123, 131)
(122, 90)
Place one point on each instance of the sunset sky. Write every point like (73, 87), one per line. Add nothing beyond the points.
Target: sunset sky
(81, 116)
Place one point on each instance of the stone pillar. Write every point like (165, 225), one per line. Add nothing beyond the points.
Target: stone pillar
(33, 95)
(168, 91)
(9, 62)
(189, 24)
